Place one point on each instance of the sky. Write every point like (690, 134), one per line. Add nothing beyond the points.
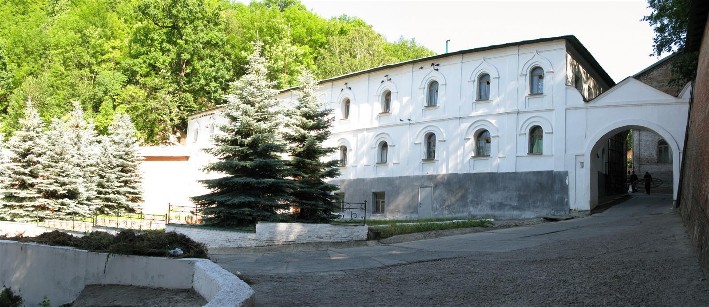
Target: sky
(611, 30)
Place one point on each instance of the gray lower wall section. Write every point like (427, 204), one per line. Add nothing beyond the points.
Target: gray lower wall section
(495, 195)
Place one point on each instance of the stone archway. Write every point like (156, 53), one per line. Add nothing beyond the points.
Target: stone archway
(589, 167)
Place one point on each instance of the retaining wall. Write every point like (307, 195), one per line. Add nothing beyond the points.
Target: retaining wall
(273, 234)
(60, 273)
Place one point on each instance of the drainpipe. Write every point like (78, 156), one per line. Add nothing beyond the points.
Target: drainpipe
(448, 40)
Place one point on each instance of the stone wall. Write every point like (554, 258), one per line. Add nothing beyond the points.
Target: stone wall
(497, 195)
(645, 160)
(694, 188)
(272, 234)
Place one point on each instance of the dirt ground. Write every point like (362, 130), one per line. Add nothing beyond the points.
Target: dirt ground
(125, 296)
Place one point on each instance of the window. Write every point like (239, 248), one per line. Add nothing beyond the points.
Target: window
(386, 101)
(484, 87)
(482, 144)
(578, 82)
(343, 155)
(536, 81)
(379, 204)
(432, 94)
(663, 152)
(430, 146)
(383, 151)
(536, 144)
(346, 108)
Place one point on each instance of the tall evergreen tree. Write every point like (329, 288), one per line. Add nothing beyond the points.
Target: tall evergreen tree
(62, 189)
(119, 180)
(309, 126)
(108, 196)
(70, 167)
(21, 200)
(254, 187)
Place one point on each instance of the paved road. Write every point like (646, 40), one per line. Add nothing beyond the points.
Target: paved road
(636, 253)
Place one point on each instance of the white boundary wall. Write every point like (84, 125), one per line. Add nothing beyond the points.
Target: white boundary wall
(273, 234)
(60, 273)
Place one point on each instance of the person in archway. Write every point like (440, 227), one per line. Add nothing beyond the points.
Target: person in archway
(634, 182)
(648, 181)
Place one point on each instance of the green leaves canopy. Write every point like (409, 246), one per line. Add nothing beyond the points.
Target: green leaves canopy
(161, 60)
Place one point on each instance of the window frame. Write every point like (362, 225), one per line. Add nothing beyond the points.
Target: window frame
(534, 132)
(386, 101)
(346, 104)
(481, 86)
(382, 152)
(663, 152)
(343, 156)
(536, 74)
(430, 146)
(483, 151)
(377, 206)
(431, 97)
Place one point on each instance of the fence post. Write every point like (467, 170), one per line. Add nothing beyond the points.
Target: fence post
(365, 212)
(167, 216)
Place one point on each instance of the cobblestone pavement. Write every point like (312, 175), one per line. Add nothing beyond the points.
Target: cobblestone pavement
(636, 253)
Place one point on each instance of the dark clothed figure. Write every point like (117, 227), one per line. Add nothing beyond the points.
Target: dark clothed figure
(648, 181)
(634, 182)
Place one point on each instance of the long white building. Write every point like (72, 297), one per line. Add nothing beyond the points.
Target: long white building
(522, 129)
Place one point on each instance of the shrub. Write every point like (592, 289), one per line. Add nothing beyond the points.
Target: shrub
(9, 299)
(127, 242)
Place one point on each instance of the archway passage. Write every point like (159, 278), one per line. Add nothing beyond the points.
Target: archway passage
(627, 149)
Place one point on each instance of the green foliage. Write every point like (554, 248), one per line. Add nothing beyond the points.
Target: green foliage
(670, 19)
(308, 127)
(163, 60)
(254, 187)
(9, 298)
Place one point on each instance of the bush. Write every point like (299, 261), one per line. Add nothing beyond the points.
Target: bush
(127, 242)
(9, 299)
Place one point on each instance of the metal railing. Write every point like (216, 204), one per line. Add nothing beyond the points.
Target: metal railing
(352, 211)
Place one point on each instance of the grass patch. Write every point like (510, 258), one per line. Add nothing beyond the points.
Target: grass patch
(155, 243)
(398, 227)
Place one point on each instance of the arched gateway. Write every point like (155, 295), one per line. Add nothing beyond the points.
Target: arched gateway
(619, 110)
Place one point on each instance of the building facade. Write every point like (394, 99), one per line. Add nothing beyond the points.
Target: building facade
(508, 131)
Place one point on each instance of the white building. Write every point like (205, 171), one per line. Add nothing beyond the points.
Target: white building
(515, 130)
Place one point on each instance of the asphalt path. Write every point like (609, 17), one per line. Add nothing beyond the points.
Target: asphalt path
(635, 253)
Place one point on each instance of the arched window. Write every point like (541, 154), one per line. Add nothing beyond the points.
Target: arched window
(432, 94)
(343, 155)
(383, 151)
(536, 141)
(536, 81)
(484, 87)
(386, 101)
(482, 144)
(430, 146)
(663, 152)
(346, 108)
